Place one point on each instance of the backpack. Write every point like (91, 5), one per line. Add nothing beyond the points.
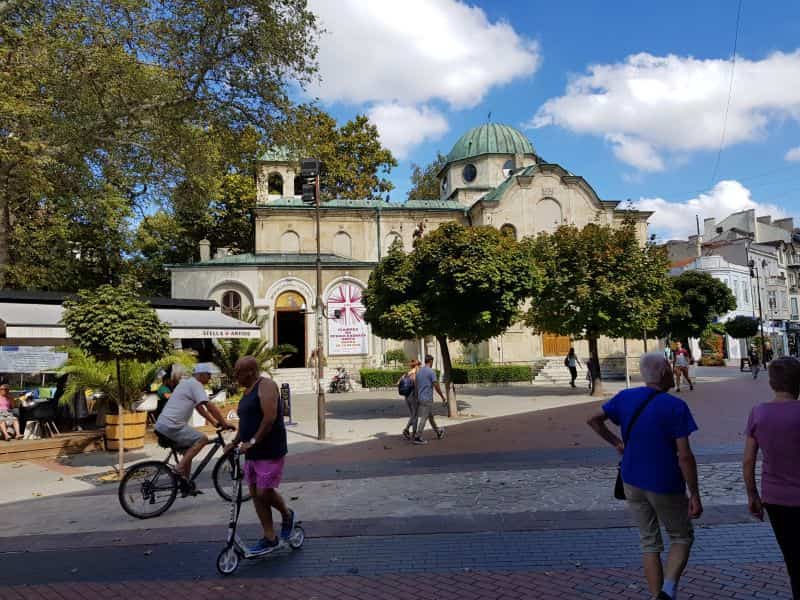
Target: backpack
(406, 385)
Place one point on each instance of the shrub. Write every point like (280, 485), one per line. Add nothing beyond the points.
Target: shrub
(712, 360)
(376, 378)
(491, 374)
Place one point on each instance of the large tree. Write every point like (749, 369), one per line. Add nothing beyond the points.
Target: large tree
(460, 283)
(102, 95)
(425, 180)
(354, 162)
(596, 281)
(699, 299)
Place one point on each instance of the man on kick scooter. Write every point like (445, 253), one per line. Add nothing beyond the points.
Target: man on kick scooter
(262, 439)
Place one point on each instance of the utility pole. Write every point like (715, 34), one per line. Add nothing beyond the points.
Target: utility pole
(309, 171)
(754, 267)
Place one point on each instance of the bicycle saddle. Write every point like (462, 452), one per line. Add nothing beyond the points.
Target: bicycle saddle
(164, 441)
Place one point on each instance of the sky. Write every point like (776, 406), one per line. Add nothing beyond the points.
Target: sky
(636, 97)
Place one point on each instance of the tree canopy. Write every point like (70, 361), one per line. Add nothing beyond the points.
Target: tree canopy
(354, 162)
(119, 102)
(112, 322)
(742, 327)
(596, 281)
(697, 301)
(425, 180)
(459, 283)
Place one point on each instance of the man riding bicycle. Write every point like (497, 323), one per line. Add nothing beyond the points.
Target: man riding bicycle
(173, 422)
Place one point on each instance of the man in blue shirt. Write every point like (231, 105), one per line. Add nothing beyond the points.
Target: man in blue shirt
(425, 383)
(657, 468)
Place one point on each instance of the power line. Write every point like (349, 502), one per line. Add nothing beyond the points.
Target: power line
(730, 95)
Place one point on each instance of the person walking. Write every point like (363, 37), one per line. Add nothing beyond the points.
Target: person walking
(408, 389)
(657, 468)
(426, 383)
(571, 362)
(755, 361)
(772, 428)
(681, 364)
(262, 438)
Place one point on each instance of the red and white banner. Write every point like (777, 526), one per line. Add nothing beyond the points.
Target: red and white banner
(349, 333)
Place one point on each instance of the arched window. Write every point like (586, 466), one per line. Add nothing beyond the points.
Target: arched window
(298, 185)
(390, 240)
(290, 243)
(548, 215)
(508, 230)
(508, 166)
(275, 184)
(342, 245)
(232, 304)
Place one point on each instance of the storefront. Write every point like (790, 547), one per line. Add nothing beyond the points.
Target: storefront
(793, 335)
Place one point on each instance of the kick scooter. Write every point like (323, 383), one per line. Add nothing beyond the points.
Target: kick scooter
(235, 550)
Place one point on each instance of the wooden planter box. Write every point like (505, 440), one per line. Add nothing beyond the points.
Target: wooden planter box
(135, 426)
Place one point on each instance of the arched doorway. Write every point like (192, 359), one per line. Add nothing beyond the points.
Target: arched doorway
(290, 327)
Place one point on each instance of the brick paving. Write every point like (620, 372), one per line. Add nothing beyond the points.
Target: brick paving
(754, 581)
(533, 520)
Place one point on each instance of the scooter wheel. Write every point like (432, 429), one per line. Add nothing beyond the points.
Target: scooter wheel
(297, 538)
(228, 561)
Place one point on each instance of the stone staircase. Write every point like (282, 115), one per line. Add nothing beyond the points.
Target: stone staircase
(304, 381)
(552, 370)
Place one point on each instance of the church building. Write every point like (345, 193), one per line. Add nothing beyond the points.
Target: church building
(493, 176)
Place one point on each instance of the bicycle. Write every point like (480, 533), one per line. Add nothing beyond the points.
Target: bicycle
(150, 487)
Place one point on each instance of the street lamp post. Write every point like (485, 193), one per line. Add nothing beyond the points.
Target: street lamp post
(309, 171)
(754, 269)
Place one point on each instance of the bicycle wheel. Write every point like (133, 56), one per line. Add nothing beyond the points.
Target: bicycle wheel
(223, 479)
(148, 489)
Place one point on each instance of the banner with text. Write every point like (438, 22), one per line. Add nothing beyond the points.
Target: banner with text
(347, 334)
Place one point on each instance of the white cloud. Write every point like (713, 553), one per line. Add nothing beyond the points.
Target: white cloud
(635, 152)
(793, 155)
(401, 127)
(415, 51)
(400, 55)
(676, 220)
(665, 105)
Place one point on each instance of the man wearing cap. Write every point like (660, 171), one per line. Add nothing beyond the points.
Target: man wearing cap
(173, 422)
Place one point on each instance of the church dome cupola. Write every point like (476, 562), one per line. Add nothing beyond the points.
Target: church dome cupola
(490, 138)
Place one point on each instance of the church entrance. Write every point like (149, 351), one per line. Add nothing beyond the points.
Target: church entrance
(555, 345)
(290, 328)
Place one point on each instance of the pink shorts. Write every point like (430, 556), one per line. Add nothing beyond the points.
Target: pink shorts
(263, 474)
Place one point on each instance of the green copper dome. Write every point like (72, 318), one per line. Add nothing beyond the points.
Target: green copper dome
(491, 138)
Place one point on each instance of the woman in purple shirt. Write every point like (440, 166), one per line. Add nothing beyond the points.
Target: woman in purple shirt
(774, 427)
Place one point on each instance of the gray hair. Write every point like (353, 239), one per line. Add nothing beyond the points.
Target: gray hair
(653, 366)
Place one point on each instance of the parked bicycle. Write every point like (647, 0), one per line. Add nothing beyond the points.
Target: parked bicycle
(150, 487)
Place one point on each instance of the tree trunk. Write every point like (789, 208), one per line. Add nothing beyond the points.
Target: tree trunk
(5, 235)
(121, 450)
(447, 366)
(644, 340)
(594, 369)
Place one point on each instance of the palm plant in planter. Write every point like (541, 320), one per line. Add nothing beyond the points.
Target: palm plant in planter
(112, 324)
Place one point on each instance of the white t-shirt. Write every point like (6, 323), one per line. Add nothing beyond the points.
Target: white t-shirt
(186, 396)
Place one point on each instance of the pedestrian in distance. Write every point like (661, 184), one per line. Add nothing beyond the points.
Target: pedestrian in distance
(755, 361)
(682, 360)
(408, 389)
(768, 354)
(773, 429)
(426, 383)
(571, 362)
(592, 371)
(262, 439)
(657, 468)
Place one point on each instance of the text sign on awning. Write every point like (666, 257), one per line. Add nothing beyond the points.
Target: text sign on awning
(200, 334)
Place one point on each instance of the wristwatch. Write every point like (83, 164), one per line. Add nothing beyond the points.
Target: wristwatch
(252, 441)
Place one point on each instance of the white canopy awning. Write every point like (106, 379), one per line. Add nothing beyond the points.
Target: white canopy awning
(39, 324)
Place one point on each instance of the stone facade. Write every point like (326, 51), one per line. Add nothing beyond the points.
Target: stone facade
(492, 177)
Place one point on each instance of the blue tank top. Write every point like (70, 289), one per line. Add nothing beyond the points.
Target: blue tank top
(273, 446)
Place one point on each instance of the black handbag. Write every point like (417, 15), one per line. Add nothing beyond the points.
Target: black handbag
(619, 486)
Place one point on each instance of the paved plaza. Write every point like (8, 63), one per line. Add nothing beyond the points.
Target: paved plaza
(515, 502)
